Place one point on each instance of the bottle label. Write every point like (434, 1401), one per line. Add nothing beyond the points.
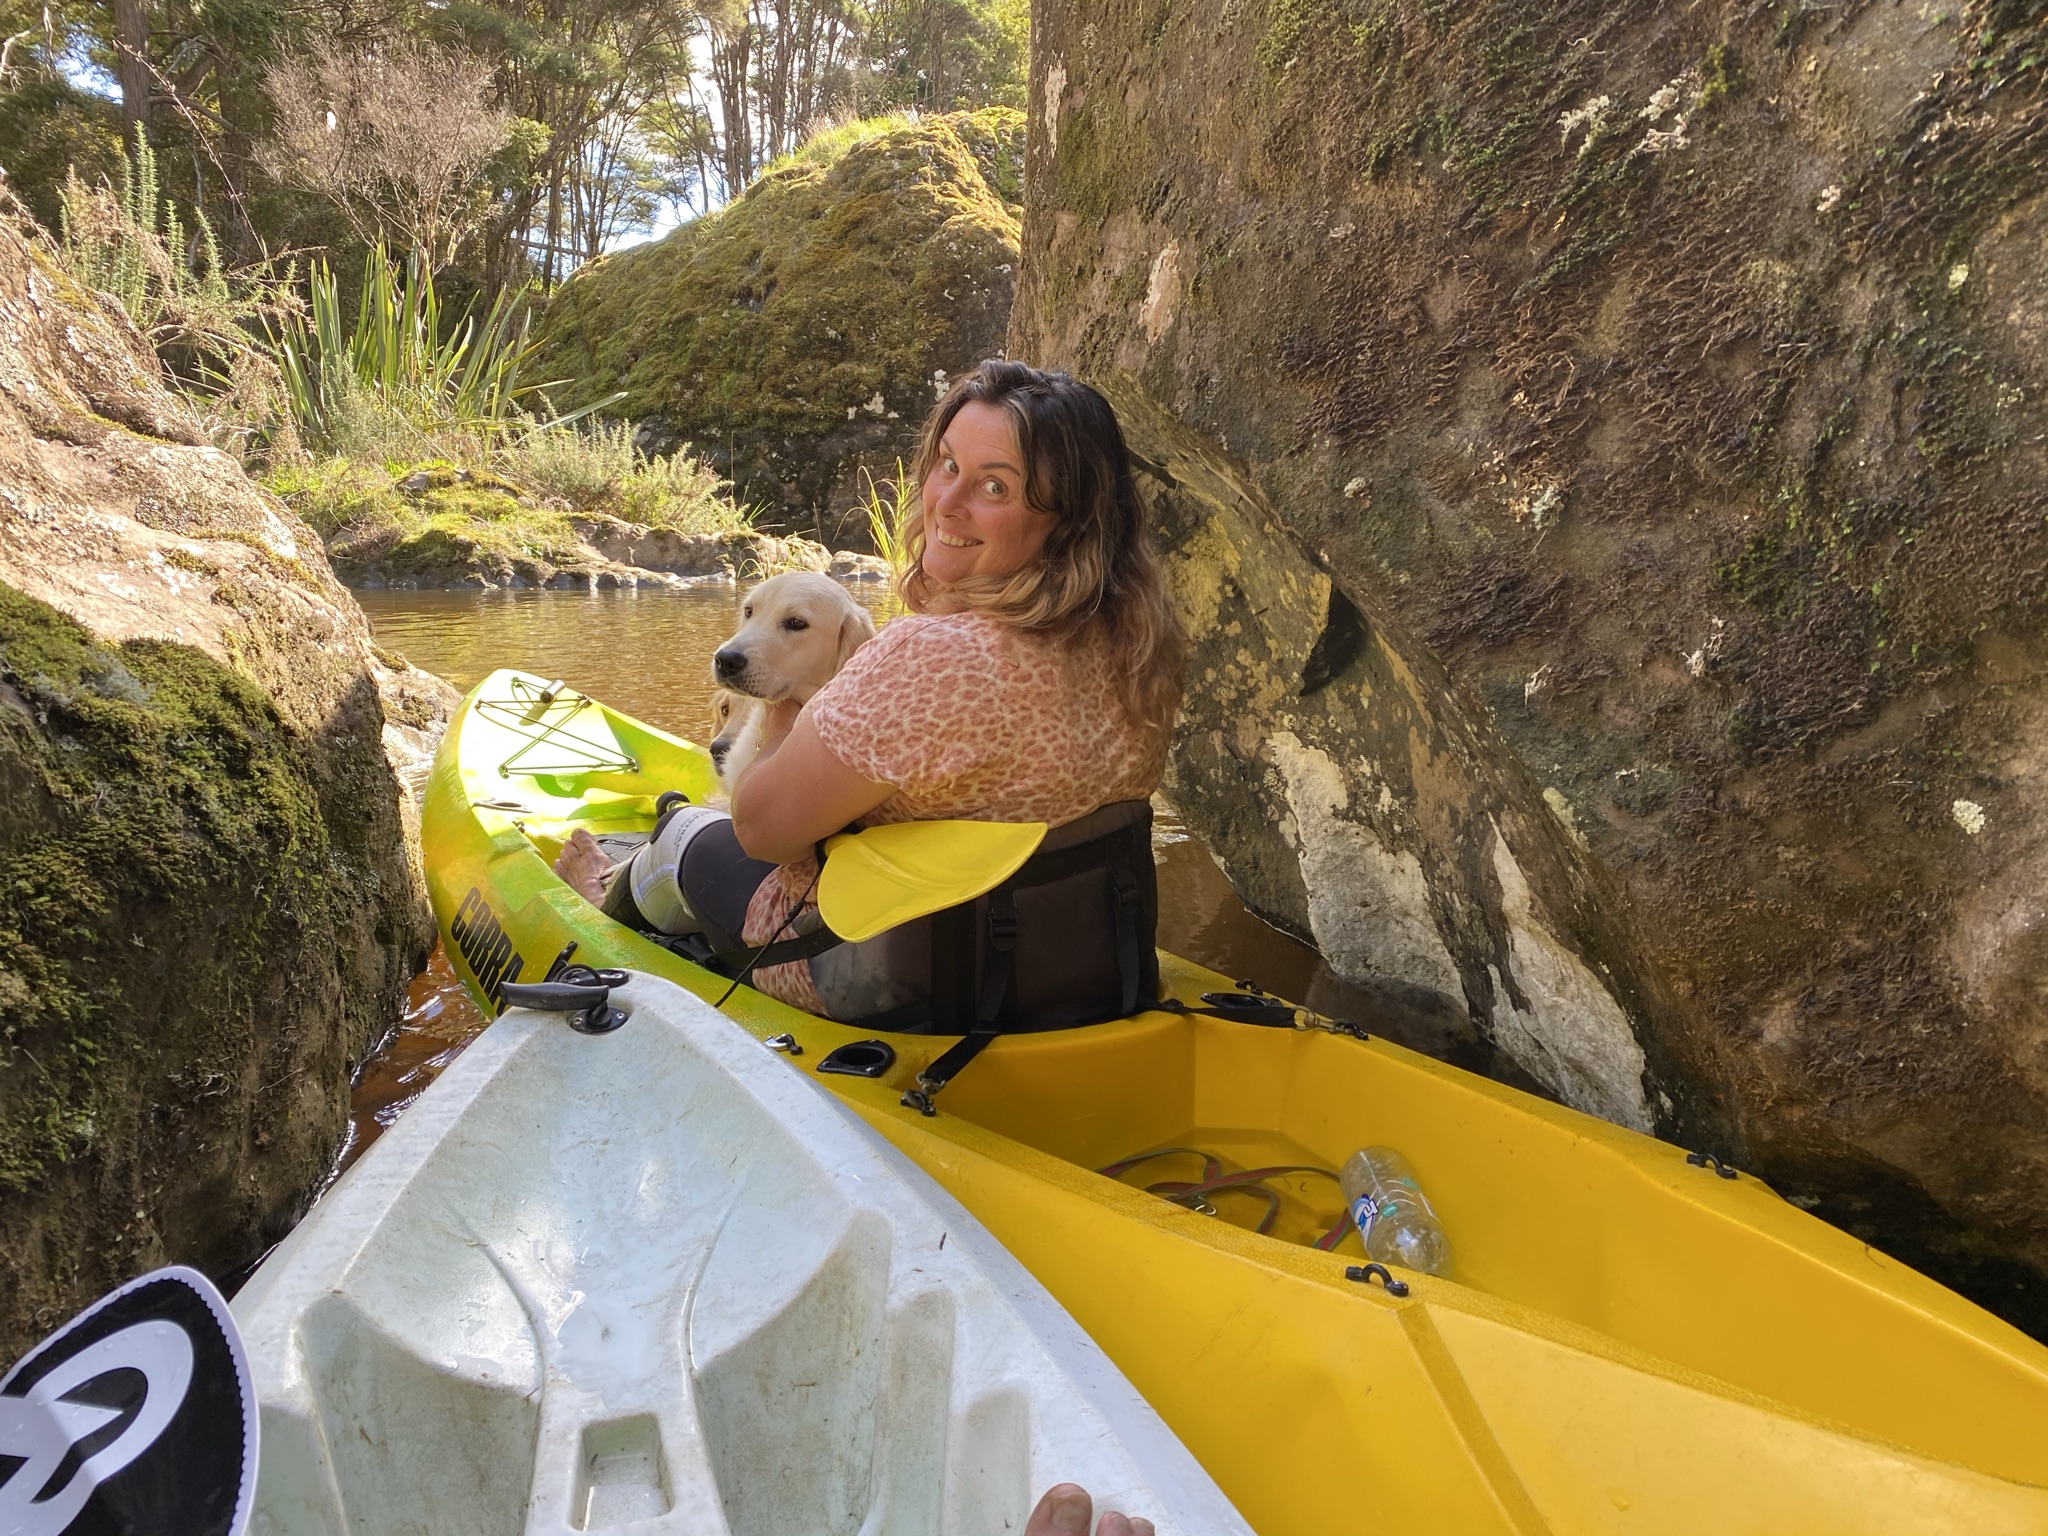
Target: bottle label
(1364, 1212)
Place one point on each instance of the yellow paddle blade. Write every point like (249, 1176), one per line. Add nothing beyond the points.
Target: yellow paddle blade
(875, 879)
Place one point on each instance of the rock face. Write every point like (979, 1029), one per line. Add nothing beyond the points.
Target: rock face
(800, 334)
(207, 907)
(597, 552)
(1604, 454)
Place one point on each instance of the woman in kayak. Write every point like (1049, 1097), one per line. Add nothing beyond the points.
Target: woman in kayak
(1035, 678)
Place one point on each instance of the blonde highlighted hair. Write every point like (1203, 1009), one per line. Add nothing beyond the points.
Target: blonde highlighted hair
(1097, 580)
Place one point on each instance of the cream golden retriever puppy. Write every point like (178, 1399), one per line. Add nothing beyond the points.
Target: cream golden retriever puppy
(735, 722)
(796, 630)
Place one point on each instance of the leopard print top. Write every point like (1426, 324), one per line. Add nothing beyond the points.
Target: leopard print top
(973, 720)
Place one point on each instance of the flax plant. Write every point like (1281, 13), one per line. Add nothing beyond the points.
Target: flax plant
(889, 503)
(395, 362)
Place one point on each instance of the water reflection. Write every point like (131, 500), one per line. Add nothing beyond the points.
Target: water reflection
(648, 652)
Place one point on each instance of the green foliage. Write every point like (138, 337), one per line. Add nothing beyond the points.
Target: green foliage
(432, 515)
(681, 493)
(841, 276)
(829, 144)
(945, 55)
(53, 131)
(128, 241)
(395, 371)
(584, 467)
(595, 467)
(888, 508)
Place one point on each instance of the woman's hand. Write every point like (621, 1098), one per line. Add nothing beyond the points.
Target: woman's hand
(796, 792)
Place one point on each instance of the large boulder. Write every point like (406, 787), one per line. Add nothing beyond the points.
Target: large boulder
(1603, 450)
(799, 335)
(208, 910)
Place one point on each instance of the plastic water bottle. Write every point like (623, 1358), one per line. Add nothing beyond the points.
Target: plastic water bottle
(1391, 1212)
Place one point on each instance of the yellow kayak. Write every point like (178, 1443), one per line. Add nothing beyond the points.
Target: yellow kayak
(1629, 1341)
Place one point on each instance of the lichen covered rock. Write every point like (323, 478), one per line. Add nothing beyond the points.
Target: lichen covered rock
(208, 910)
(801, 333)
(1665, 390)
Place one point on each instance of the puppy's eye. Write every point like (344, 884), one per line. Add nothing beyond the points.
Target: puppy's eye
(796, 621)
(747, 612)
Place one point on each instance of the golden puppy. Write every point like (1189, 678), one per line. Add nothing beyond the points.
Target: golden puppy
(735, 723)
(796, 630)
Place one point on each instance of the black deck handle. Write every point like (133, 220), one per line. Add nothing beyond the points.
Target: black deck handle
(1703, 1159)
(1252, 1008)
(582, 993)
(1364, 1273)
(554, 996)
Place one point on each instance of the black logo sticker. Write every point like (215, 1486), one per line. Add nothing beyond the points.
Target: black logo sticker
(484, 945)
(136, 1418)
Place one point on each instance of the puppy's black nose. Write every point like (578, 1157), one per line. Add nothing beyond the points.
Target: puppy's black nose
(729, 662)
(718, 750)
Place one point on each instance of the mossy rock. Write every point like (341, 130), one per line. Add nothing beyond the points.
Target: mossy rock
(208, 907)
(1667, 387)
(179, 919)
(796, 335)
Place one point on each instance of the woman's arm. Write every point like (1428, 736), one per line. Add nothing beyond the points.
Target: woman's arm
(796, 792)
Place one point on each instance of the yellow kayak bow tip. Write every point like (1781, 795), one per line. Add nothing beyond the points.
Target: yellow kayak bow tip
(875, 879)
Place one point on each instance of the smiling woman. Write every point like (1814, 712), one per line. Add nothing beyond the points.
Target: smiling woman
(1035, 679)
(977, 522)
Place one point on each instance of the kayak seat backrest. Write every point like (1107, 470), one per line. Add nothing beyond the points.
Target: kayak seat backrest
(1080, 918)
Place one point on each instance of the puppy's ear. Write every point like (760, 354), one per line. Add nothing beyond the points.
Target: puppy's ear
(855, 630)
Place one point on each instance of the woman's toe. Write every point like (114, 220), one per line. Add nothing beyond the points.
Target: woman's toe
(1063, 1511)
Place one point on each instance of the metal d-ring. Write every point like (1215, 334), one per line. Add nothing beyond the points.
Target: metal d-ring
(1703, 1159)
(1363, 1274)
(785, 1042)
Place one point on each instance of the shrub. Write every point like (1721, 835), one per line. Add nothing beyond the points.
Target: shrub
(128, 242)
(683, 493)
(584, 466)
(594, 466)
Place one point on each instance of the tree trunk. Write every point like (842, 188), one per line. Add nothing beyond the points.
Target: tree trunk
(131, 64)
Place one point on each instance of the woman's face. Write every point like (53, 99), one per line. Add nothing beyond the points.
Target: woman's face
(976, 522)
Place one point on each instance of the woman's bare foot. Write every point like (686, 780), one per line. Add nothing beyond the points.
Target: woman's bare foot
(584, 865)
(1066, 1510)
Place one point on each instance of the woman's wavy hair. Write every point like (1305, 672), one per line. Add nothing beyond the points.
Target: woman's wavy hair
(1098, 576)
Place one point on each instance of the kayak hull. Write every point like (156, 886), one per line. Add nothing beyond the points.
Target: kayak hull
(1629, 1342)
(651, 1278)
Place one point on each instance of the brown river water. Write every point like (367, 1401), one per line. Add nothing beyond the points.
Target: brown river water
(648, 653)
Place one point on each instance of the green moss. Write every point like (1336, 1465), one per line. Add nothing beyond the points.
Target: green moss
(1717, 75)
(782, 316)
(437, 519)
(1757, 573)
(1288, 24)
(994, 136)
(148, 791)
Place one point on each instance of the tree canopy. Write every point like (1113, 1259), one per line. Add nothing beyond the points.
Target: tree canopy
(509, 140)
